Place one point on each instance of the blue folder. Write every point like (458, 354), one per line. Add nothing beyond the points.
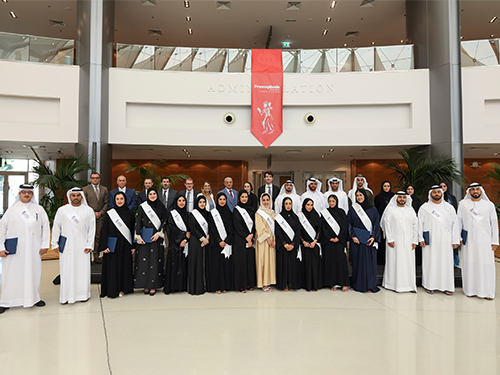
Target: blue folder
(11, 245)
(62, 243)
(464, 236)
(427, 238)
(146, 234)
(112, 244)
(362, 235)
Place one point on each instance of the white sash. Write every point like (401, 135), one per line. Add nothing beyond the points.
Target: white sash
(76, 221)
(331, 221)
(30, 220)
(219, 224)
(151, 215)
(268, 220)
(285, 226)
(309, 229)
(362, 216)
(120, 225)
(182, 226)
(438, 215)
(201, 220)
(246, 217)
(481, 219)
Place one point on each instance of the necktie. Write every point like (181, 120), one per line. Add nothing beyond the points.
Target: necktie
(188, 202)
(96, 189)
(231, 192)
(165, 197)
(269, 190)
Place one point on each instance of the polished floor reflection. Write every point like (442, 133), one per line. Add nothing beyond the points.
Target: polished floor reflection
(254, 333)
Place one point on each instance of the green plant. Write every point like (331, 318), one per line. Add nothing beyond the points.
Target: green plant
(148, 171)
(58, 181)
(495, 173)
(422, 171)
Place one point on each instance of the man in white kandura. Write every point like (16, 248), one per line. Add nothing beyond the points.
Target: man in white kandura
(360, 183)
(400, 225)
(479, 223)
(288, 190)
(314, 192)
(336, 186)
(25, 222)
(439, 234)
(73, 237)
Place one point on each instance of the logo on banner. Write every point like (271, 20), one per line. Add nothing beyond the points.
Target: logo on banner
(267, 122)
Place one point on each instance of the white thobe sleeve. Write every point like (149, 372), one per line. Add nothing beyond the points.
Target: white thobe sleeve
(389, 233)
(421, 223)
(56, 229)
(44, 224)
(4, 223)
(90, 232)
(494, 226)
(414, 229)
(460, 220)
(455, 231)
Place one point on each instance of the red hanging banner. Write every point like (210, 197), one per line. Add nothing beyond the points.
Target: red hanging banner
(267, 95)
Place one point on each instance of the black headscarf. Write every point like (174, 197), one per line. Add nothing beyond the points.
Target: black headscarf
(157, 205)
(415, 201)
(341, 218)
(312, 216)
(247, 206)
(124, 212)
(382, 199)
(290, 217)
(448, 197)
(182, 211)
(366, 205)
(203, 211)
(225, 212)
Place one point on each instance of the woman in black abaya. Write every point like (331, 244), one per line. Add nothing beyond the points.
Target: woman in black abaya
(364, 255)
(176, 266)
(198, 245)
(244, 272)
(311, 248)
(381, 201)
(335, 268)
(287, 264)
(116, 277)
(415, 203)
(150, 256)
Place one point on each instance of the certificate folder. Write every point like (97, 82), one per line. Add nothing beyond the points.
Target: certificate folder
(146, 234)
(427, 238)
(62, 243)
(11, 245)
(464, 236)
(112, 244)
(362, 235)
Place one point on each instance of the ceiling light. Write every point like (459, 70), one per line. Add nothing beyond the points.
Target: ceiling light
(493, 19)
(5, 1)
(325, 32)
(345, 44)
(402, 41)
(329, 19)
(190, 31)
(333, 4)
(492, 35)
(148, 2)
(293, 5)
(495, 154)
(462, 38)
(223, 5)
(13, 15)
(186, 3)
(57, 23)
(331, 150)
(373, 43)
(184, 150)
(188, 18)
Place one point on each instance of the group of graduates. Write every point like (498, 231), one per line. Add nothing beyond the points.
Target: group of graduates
(241, 241)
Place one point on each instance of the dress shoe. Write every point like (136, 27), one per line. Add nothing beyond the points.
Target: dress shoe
(2, 309)
(40, 304)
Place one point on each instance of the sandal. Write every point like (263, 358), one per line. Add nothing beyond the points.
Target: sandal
(345, 289)
(333, 289)
(146, 291)
(448, 293)
(243, 291)
(429, 291)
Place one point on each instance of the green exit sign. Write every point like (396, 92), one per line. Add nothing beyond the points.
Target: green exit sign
(285, 44)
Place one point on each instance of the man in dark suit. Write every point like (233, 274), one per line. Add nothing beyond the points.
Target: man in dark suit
(97, 197)
(190, 194)
(167, 195)
(141, 197)
(121, 181)
(268, 187)
(231, 194)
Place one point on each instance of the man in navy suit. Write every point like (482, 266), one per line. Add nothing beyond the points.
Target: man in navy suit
(141, 197)
(121, 181)
(268, 187)
(231, 194)
(167, 195)
(190, 194)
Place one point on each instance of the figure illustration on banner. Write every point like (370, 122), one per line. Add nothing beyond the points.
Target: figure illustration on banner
(267, 125)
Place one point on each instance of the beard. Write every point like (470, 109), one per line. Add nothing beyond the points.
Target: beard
(436, 198)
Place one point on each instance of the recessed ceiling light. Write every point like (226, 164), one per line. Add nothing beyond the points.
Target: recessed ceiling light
(190, 31)
(461, 38)
(492, 35)
(373, 43)
(493, 19)
(188, 18)
(325, 32)
(13, 15)
(402, 41)
(333, 4)
(329, 19)
(331, 150)
(345, 44)
(5, 1)
(186, 3)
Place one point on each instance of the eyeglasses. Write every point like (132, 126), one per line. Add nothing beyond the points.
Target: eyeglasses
(95, 178)
(26, 192)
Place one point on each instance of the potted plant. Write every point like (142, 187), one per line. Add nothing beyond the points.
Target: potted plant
(148, 170)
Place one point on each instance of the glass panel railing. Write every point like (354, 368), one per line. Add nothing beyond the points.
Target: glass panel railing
(480, 52)
(19, 47)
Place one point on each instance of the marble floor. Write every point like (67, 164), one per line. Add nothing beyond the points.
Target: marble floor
(254, 333)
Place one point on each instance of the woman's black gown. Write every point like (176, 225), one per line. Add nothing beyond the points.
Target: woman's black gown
(176, 266)
(311, 257)
(335, 270)
(364, 257)
(116, 273)
(254, 201)
(218, 267)
(244, 269)
(288, 267)
(196, 257)
(149, 258)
